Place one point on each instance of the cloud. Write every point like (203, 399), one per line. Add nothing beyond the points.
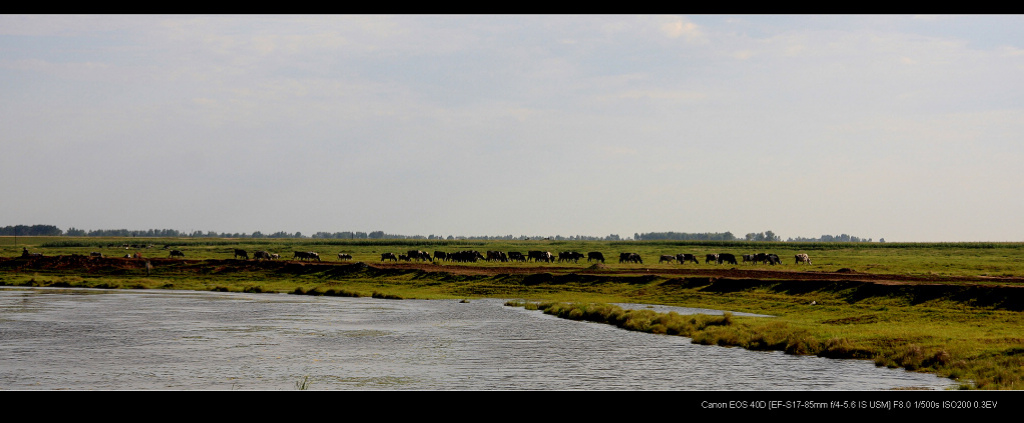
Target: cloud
(677, 27)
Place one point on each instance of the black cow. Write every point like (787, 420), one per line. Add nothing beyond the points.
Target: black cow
(388, 256)
(570, 256)
(726, 257)
(683, 258)
(419, 255)
(265, 255)
(464, 256)
(241, 253)
(595, 255)
(306, 255)
(666, 258)
(516, 256)
(711, 258)
(440, 255)
(344, 256)
(630, 258)
(537, 255)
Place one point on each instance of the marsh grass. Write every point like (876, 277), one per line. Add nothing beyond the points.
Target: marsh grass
(990, 370)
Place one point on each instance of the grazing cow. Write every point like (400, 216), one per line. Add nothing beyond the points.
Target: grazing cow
(241, 253)
(419, 255)
(403, 257)
(711, 258)
(344, 256)
(630, 258)
(261, 255)
(497, 256)
(536, 255)
(570, 256)
(440, 255)
(803, 258)
(307, 255)
(516, 256)
(760, 258)
(666, 258)
(275, 256)
(747, 258)
(176, 253)
(773, 259)
(388, 256)
(726, 257)
(683, 258)
(595, 255)
(96, 254)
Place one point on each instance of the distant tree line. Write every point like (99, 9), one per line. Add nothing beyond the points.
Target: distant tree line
(50, 230)
(33, 230)
(683, 236)
(833, 238)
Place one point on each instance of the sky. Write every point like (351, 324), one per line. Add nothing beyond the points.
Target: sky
(903, 127)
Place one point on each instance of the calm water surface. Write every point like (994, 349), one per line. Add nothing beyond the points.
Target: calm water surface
(89, 339)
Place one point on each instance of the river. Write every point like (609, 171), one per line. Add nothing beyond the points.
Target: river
(94, 339)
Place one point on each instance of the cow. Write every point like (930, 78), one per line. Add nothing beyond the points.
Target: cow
(261, 255)
(497, 256)
(177, 253)
(666, 258)
(388, 256)
(773, 259)
(241, 253)
(96, 254)
(683, 258)
(307, 255)
(595, 255)
(544, 256)
(403, 257)
(440, 255)
(711, 258)
(630, 258)
(516, 256)
(275, 256)
(570, 256)
(803, 258)
(726, 257)
(344, 256)
(419, 255)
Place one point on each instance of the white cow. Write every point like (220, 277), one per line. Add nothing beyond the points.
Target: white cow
(803, 258)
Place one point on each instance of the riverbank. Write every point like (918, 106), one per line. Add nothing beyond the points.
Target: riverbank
(966, 329)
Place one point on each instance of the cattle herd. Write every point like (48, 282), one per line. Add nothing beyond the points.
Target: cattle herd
(470, 256)
(511, 256)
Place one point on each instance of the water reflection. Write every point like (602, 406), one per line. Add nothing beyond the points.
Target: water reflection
(141, 339)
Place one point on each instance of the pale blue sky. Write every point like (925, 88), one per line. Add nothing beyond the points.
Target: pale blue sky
(902, 127)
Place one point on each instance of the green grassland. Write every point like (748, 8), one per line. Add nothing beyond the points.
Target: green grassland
(965, 334)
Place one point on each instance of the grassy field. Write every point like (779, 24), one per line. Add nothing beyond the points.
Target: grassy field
(943, 259)
(950, 333)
